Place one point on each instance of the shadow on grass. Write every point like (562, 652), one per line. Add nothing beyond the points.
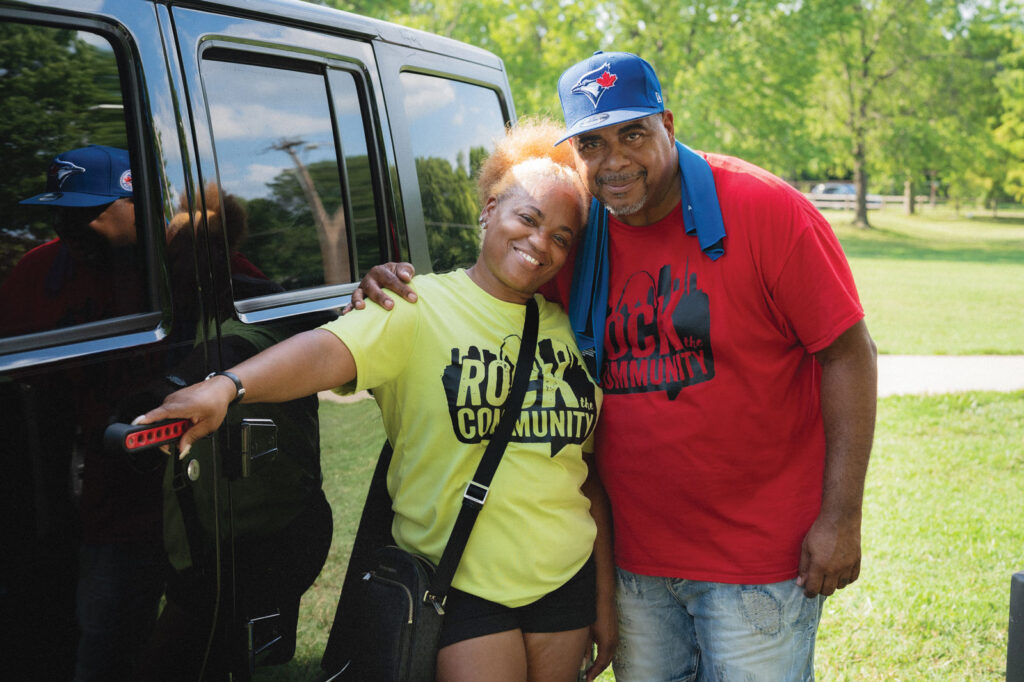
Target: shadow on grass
(1016, 220)
(903, 249)
(884, 242)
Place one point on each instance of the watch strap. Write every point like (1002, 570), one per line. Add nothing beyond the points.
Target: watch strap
(239, 388)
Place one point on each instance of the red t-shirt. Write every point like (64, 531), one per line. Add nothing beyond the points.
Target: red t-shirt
(51, 289)
(710, 443)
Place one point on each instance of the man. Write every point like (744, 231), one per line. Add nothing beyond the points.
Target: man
(89, 272)
(92, 272)
(740, 388)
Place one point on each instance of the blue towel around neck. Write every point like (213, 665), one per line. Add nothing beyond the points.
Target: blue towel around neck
(588, 300)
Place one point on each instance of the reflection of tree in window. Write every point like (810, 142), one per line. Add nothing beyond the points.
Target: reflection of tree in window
(279, 241)
(452, 125)
(330, 226)
(60, 89)
(450, 208)
(275, 144)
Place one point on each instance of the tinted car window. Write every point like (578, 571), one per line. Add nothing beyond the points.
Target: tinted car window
(71, 255)
(453, 126)
(277, 153)
(358, 176)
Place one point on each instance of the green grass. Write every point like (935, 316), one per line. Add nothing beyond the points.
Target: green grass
(351, 437)
(943, 533)
(939, 284)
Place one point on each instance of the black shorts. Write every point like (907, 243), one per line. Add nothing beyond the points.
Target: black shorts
(570, 607)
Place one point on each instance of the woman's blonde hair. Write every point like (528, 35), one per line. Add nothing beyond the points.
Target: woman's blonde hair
(528, 150)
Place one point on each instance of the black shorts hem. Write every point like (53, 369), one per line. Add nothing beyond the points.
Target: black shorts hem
(570, 607)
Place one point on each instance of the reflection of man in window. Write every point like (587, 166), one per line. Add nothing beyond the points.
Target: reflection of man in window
(88, 272)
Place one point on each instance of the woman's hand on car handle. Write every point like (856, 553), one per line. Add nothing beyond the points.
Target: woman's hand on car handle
(309, 362)
(205, 404)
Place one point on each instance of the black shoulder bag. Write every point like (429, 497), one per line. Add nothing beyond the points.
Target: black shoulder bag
(391, 609)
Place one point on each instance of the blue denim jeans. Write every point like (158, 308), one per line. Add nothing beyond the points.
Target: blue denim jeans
(689, 631)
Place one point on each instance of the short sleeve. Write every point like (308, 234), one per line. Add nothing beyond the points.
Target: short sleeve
(381, 342)
(815, 288)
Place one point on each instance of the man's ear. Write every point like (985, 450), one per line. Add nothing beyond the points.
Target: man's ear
(668, 121)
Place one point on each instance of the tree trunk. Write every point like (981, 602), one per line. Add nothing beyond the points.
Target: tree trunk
(330, 230)
(860, 178)
(908, 197)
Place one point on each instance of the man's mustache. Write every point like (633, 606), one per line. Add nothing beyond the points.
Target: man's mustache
(618, 178)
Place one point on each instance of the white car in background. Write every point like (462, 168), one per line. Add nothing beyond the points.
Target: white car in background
(839, 195)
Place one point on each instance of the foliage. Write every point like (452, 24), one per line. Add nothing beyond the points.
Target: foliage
(58, 91)
(282, 232)
(894, 90)
(1009, 134)
(731, 72)
(450, 210)
(283, 239)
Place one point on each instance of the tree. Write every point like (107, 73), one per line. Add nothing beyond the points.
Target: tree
(1009, 130)
(905, 89)
(536, 39)
(942, 118)
(331, 229)
(53, 87)
(284, 236)
(734, 74)
(450, 211)
(900, 92)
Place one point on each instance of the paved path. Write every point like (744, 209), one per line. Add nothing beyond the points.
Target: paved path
(902, 374)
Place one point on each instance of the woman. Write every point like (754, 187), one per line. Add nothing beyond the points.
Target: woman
(523, 603)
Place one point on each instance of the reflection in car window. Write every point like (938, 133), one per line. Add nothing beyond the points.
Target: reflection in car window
(453, 127)
(70, 255)
(276, 153)
(357, 170)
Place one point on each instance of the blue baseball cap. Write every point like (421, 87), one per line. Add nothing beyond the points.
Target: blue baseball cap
(606, 89)
(89, 176)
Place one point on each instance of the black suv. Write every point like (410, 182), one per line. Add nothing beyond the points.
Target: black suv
(203, 179)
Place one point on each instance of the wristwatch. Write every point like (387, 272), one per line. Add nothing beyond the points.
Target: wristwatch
(239, 388)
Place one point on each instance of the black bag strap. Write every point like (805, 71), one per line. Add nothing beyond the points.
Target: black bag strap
(476, 491)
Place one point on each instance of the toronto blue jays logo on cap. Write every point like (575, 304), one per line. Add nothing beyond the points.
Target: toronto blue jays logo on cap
(594, 83)
(60, 170)
(616, 86)
(87, 176)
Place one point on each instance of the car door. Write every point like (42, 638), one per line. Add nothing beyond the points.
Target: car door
(90, 325)
(295, 205)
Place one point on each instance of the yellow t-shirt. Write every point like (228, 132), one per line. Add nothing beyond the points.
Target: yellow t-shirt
(440, 370)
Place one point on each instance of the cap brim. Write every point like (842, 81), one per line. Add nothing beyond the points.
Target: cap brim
(608, 118)
(71, 199)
